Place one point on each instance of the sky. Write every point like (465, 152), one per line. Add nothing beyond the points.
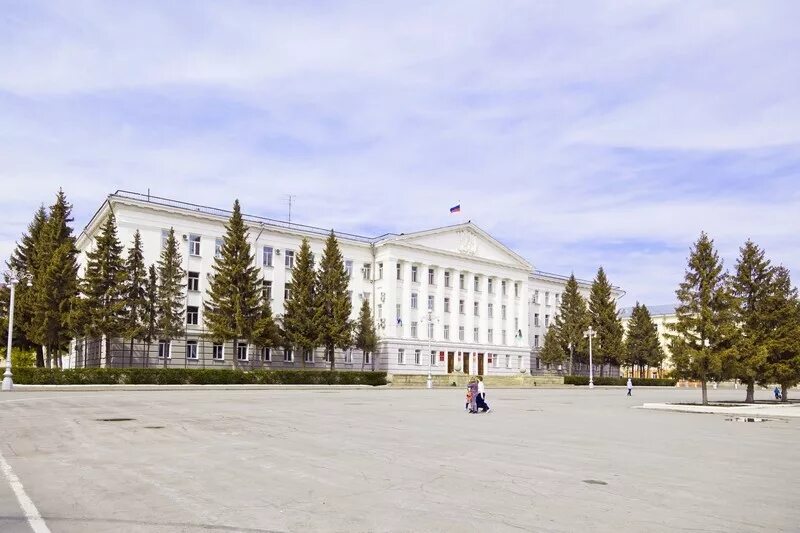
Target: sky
(579, 134)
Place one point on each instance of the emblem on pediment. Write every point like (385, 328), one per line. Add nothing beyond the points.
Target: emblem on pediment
(468, 243)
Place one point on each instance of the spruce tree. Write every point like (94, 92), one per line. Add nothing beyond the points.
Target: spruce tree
(607, 345)
(642, 347)
(135, 293)
(553, 350)
(233, 305)
(103, 287)
(333, 302)
(782, 317)
(267, 333)
(170, 322)
(751, 286)
(705, 328)
(299, 309)
(365, 337)
(150, 311)
(572, 321)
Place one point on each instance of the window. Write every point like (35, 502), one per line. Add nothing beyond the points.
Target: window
(475, 308)
(399, 271)
(413, 300)
(218, 248)
(266, 354)
(217, 351)
(241, 351)
(503, 287)
(164, 349)
(431, 275)
(266, 259)
(194, 281)
(536, 319)
(414, 274)
(401, 356)
(516, 289)
(462, 284)
(348, 266)
(288, 355)
(490, 336)
(491, 310)
(348, 355)
(433, 358)
(191, 314)
(476, 283)
(191, 349)
(417, 357)
(288, 258)
(380, 270)
(546, 320)
(519, 362)
(430, 303)
(308, 356)
(494, 359)
(503, 312)
(546, 298)
(447, 305)
(536, 341)
(461, 333)
(194, 244)
(558, 299)
(366, 271)
(446, 332)
(536, 296)
(503, 337)
(266, 290)
(508, 361)
(414, 330)
(367, 358)
(447, 278)
(287, 291)
(461, 306)
(398, 311)
(380, 311)
(475, 334)
(164, 237)
(430, 330)
(490, 285)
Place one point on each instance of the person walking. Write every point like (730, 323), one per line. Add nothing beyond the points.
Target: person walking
(473, 396)
(630, 386)
(482, 396)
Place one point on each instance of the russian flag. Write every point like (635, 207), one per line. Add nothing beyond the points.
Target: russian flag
(455, 208)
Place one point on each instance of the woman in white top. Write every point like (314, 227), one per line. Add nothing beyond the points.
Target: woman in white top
(482, 396)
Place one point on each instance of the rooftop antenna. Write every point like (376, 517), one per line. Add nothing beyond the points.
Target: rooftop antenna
(291, 197)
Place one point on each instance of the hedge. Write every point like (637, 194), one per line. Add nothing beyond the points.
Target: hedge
(637, 382)
(192, 376)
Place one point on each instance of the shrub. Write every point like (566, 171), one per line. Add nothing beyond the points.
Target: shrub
(192, 376)
(637, 382)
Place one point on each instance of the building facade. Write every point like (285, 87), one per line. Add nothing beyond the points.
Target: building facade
(453, 299)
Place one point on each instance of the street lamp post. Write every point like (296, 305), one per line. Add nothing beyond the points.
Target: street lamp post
(13, 278)
(590, 333)
(430, 348)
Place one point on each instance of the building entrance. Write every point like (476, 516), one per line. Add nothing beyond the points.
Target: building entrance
(450, 362)
(480, 364)
(466, 356)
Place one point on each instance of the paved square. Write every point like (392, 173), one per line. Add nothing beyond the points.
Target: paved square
(393, 460)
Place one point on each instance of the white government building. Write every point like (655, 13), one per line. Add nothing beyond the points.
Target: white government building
(452, 297)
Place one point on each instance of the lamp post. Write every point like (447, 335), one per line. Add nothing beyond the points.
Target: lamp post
(590, 333)
(13, 277)
(430, 320)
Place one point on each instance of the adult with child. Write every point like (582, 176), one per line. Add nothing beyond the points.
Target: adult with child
(482, 396)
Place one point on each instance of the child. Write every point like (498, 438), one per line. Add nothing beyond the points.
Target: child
(469, 399)
(472, 396)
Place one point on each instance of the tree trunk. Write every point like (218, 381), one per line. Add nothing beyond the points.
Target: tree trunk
(784, 393)
(751, 391)
(333, 357)
(705, 392)
(147, 356)
(130, 359)
(40, 356)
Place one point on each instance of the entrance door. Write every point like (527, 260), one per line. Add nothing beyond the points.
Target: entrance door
(480, 364)
(450, 362)
(466, 357)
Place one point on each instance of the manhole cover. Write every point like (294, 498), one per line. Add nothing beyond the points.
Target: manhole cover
(594, 482)
(114, 419)
(747, 419)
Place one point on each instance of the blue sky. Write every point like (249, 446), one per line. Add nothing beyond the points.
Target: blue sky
(579, 133)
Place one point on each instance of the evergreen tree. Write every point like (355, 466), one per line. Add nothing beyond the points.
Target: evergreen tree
(103, 287)
(365, 337)
(135, 293)
(267, 333)
(572, 321)
(782, 317)
(150, 311)
(607, 346)
(553, 350)
(233, 305)
(333, 302)
(170, 291)
(299, 309)
(24, 259)
(705, 326)
(641, 344)
(751, 286)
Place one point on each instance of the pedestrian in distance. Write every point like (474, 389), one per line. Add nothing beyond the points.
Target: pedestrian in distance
(630, 386)
(777, 393)
(482, 405)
